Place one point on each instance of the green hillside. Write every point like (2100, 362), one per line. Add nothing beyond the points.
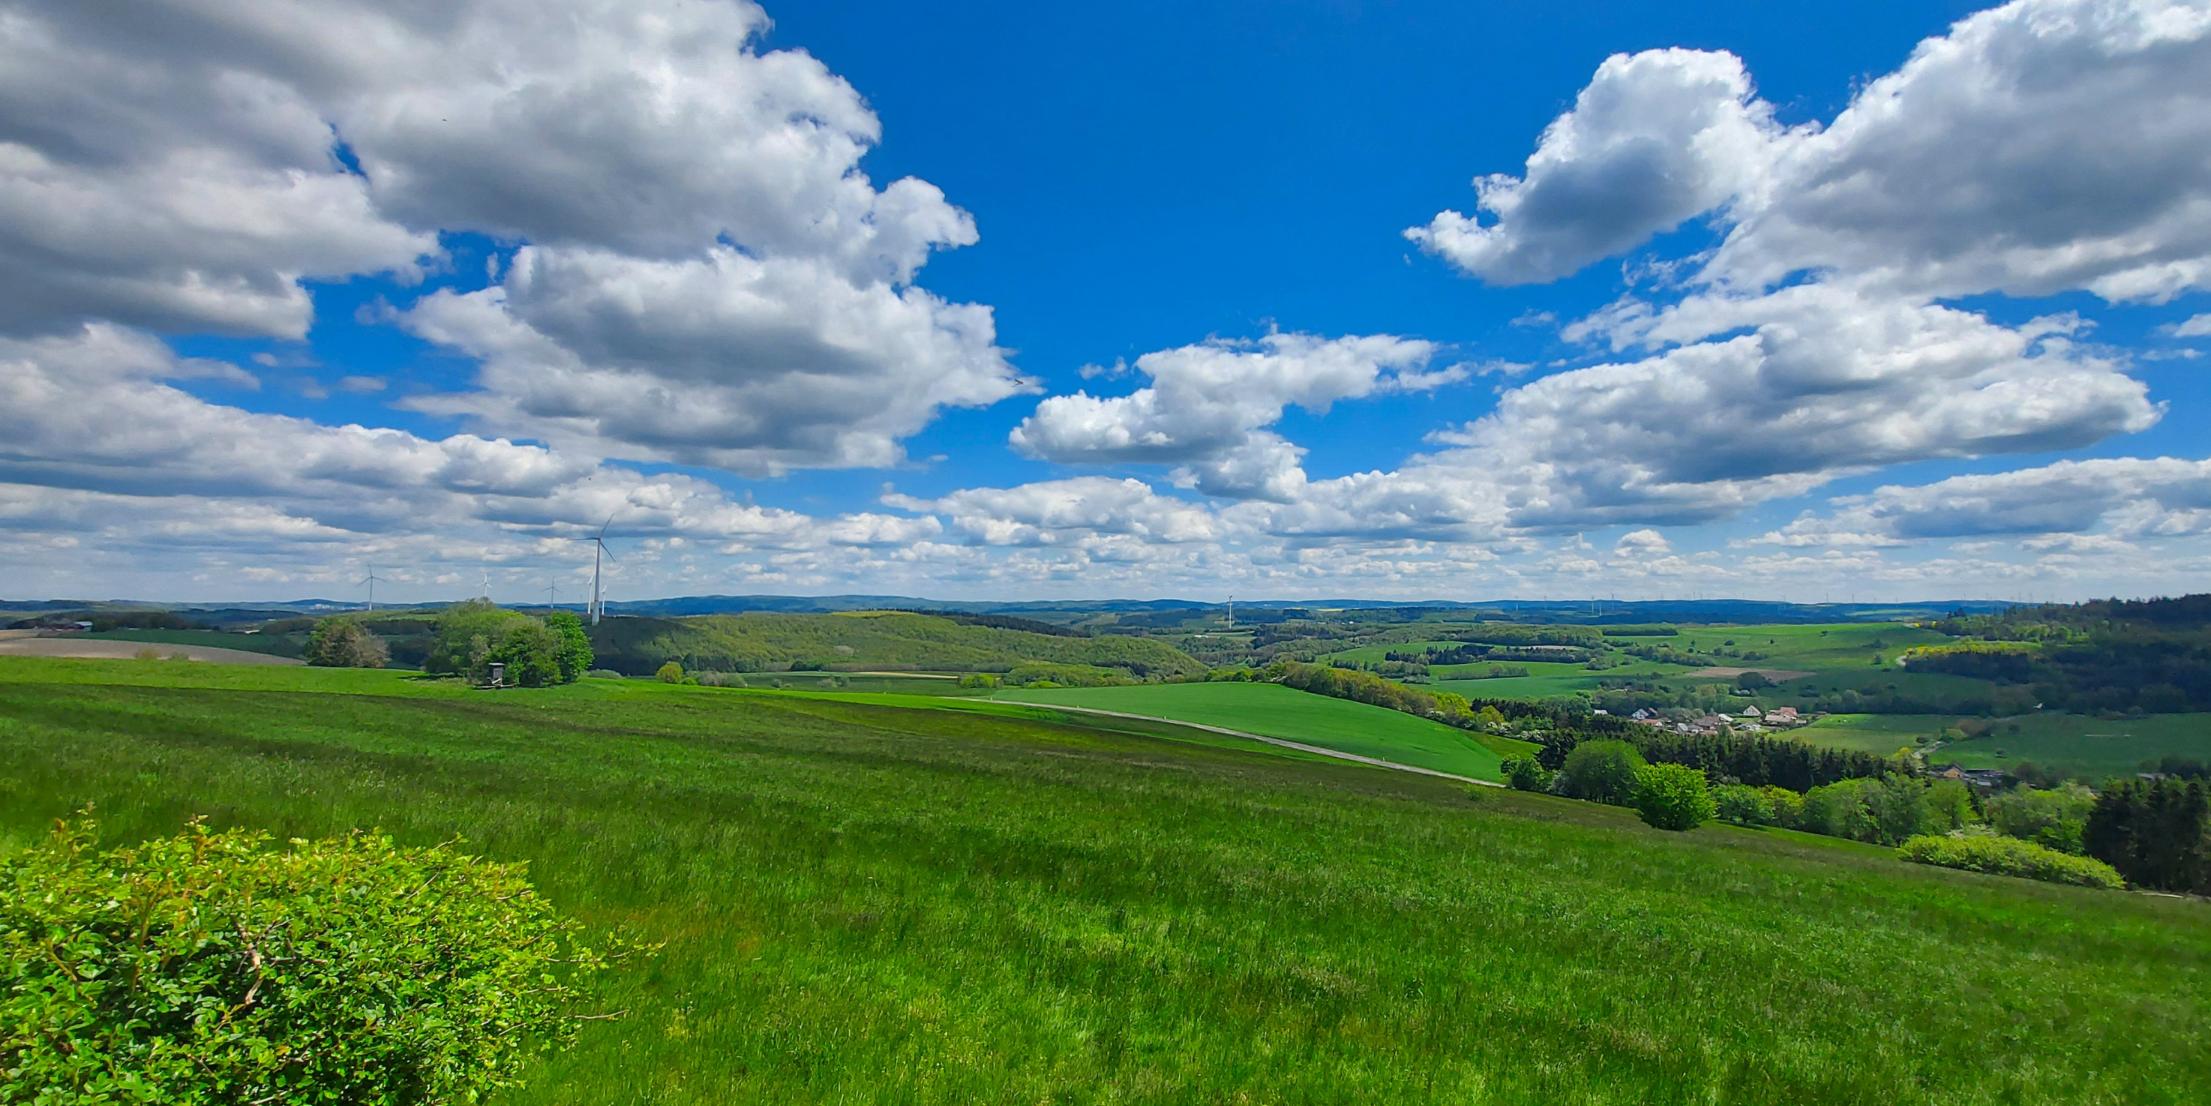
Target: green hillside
(864, 903)
(1271, 710)
(866, 641)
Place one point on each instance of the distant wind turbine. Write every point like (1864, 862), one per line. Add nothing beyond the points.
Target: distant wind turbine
(487, 584)
(552, 593)
(371, 580)
(598, 550)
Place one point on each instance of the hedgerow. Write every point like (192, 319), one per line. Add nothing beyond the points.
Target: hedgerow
(2009, 856)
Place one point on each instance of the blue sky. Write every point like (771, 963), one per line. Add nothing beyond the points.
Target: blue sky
(1003, 303)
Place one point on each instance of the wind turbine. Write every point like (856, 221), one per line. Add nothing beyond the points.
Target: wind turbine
(552, 594)
(371, 580)
(487, 584)
(598, 550)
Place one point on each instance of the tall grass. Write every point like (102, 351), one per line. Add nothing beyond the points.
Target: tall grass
(876, 903)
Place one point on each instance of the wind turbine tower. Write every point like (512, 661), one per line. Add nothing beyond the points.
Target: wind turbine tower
(371, 580)
(598, 551)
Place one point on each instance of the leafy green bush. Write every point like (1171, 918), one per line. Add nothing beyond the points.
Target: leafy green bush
(1787, 806)
(1671, 796)
(1601, 771)
(979, 680)
(471, 636)
(1742, 805)
(2009, 856)
(1524, 773)
(2051, 818)
(345, 643)
(1038, 674)
(572, 648)
(672, 673)
(205, 968)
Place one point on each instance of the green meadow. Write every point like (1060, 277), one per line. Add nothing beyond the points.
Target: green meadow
(1881, 734)
(1814, 647)
(1271, 710)
(860, 902)
(2083, 744)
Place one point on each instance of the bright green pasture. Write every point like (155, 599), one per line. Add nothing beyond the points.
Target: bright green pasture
(870, 903)
(1814, 647)
(866, 903)
(1874, 733)
(2084, 745)
(1272, 710)
(1523, 687)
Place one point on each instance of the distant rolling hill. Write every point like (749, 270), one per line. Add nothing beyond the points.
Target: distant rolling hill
(866, 641)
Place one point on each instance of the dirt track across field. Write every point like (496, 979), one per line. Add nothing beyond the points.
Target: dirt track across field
(109, 648)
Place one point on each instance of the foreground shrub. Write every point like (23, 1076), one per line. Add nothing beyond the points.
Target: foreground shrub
(672, 673)
(2009, 856)
(205, 968)
(1525, 774)
(1600, 771)
(1671, 796)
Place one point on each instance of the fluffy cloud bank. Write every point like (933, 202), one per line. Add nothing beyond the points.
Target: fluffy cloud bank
(1655, 139)
(2037, 147)
(2122, 498)
(1209, 406)
(710, 276)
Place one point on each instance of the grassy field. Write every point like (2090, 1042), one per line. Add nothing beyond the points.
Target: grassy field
(1272, 710)
(1881, 734)
(864, 903)
(2093, 748)
(1815, 647)
(1560, 686)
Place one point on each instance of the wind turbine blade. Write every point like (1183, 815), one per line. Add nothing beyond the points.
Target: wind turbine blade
(602, 527)
(609, 553)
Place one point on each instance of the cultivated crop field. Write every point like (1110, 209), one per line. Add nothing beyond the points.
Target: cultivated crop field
(872, 903)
